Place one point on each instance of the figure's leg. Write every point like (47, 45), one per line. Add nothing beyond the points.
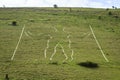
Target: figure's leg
(45, 51)
(69, 45)
(66, 57)
(72, 55)
(55, 29)
(54, 52)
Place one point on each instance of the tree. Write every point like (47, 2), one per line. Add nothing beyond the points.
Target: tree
(55, 6)
(3, 6)
(113, 7)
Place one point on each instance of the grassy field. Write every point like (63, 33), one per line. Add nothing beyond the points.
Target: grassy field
(64, 26)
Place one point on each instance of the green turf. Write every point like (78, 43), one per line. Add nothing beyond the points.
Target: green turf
(29, 62)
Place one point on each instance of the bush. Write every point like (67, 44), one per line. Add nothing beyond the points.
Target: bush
(110, 13)
(54, 63)
(116, 16)
(110, 29)
(107, 9)
(70, 9)
(99, 17)
(88, 64)
(31, 20)
(14, 23)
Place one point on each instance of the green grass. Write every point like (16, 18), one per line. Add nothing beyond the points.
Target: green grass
(29, 62)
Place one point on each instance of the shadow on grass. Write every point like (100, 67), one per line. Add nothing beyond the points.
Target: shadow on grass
(88, 64)
(54, 63)
(57, 63)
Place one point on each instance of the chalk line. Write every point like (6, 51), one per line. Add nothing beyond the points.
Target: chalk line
(45, 51)
(39, 34)
(68, 36)
(54, 51)
(64, 30)
(85, 35)
(72, 55)
(30, 33)
(18, 43)
(88, 35)
(50, 36)
(27, 35)
(69, 45)
(98, 44)
(63, 51)
(55, 29)
(66, 57)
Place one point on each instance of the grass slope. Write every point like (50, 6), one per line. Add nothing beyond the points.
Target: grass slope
(29, 62)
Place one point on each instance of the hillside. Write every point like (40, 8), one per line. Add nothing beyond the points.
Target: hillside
(51, 43)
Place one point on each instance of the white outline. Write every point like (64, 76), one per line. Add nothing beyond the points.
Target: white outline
(85, 35)
(27, 35)
(39, 34)
(66, 57)
(69, 45)
(68, 36)
(18, 43)
(30, 33)
(54, 51)
(88, 35)
(55, 29)
(98, 44)
(64, 29)
(72, 55)
(45, 51)
(58, 44)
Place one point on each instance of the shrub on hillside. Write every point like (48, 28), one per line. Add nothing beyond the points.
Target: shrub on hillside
(109, 13)
(54, 63)
(116, 16)
(31, 20)
(14, 23)
(89, 64)
(107, 9)
(99, 17)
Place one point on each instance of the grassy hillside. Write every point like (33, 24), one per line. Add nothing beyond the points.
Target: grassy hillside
(69, 28)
